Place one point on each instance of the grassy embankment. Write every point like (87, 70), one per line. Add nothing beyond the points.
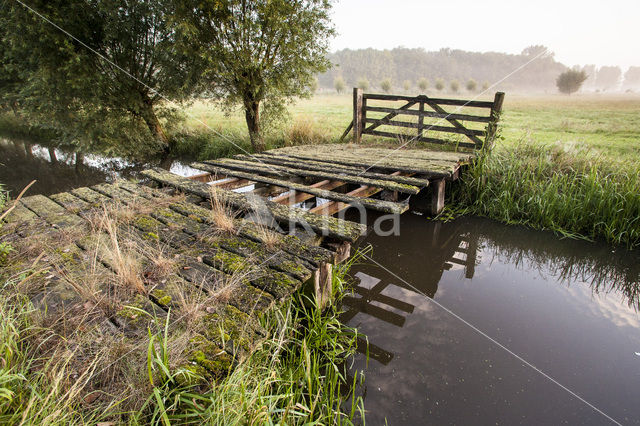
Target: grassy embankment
(67, 370)
(566, 163)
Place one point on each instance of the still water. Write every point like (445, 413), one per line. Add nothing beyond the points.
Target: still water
(58, 170)
(568, 307)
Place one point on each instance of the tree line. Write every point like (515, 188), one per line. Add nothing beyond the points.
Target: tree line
(453, 70)
(95, 69)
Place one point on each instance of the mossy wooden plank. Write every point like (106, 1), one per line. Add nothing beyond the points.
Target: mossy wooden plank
(432, 169)
(51, 211)
(315, 255)
(326, 226)
(249, 299)
(116, 193)
(217, 257)
(141, 190)
(375, 152)
(284, 171)
(92, 197)
(138, 315)
(337, 169)
(20, 214)
(206, 359)
(72, 203)
(233, 330)
(369, 203)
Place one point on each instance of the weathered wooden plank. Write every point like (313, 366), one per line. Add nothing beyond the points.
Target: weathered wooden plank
(379, 205)
(52, 212)
(20, 214)
(462, 131)
(284, 160)
(273, 170)
(72, 203)
(334, 207)
(388, 162)
(116, 193)
(294, 197)
(368, 152)
(284, 215)
(431, 114)
(419, 138)
(278, 275)
(90, 196)
(290, 243)
(440, 101)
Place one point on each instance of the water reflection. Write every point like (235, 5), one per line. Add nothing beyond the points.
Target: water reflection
(57, 169)
(571, 307)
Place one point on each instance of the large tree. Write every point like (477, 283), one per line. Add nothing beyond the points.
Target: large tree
(260, 53)
(632, 78)
(570, 81)
(608, 77)
(120, 63)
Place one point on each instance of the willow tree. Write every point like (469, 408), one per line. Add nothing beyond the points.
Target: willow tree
(114, 60)
(260, 53)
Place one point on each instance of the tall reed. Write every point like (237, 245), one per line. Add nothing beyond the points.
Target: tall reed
(565, 189)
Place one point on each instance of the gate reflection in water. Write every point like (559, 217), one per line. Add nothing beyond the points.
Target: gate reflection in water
(570, 307)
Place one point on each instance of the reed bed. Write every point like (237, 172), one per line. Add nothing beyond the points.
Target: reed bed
(567, 189)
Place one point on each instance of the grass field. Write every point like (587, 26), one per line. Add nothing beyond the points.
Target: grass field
(608, 124)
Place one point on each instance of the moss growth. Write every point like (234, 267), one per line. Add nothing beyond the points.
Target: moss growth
(161, 297)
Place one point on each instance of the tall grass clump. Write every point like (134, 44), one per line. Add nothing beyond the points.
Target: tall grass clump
(298, 376)
(558, 187)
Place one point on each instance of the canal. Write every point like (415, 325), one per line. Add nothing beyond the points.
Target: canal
(570, 308)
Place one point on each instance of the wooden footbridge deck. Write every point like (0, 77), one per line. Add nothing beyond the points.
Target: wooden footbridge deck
(331, 178)
(226, 244)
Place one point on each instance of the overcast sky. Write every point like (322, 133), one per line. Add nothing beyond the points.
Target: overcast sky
(578, 32)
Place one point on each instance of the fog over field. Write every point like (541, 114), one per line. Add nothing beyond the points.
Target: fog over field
(517, 46)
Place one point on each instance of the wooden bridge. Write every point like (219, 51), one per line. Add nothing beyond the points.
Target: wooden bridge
(245, 233)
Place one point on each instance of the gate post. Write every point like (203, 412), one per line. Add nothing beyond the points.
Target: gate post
(358, 114)
(492, 128)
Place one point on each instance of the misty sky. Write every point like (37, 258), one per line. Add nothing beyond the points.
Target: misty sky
(579, 32)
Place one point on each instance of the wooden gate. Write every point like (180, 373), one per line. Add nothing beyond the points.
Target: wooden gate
(364, 122)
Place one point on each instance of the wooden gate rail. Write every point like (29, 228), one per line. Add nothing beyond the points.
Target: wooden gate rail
(363, 125)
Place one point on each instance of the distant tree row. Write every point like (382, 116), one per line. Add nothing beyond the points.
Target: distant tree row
(537, 70)
(422, 84)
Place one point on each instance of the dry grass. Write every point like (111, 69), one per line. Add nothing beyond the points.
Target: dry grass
(271, 239)
(222, 214)
(304, 131)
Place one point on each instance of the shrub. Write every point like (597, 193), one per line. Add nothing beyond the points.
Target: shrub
(472, 85)
(386, 86)
(339, 84)
(363, 83)
(570, 81)
(439, 84)
(423, 84)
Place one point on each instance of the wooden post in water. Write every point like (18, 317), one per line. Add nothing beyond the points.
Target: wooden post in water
(437, 196)
(358, 114)
(492, 128)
